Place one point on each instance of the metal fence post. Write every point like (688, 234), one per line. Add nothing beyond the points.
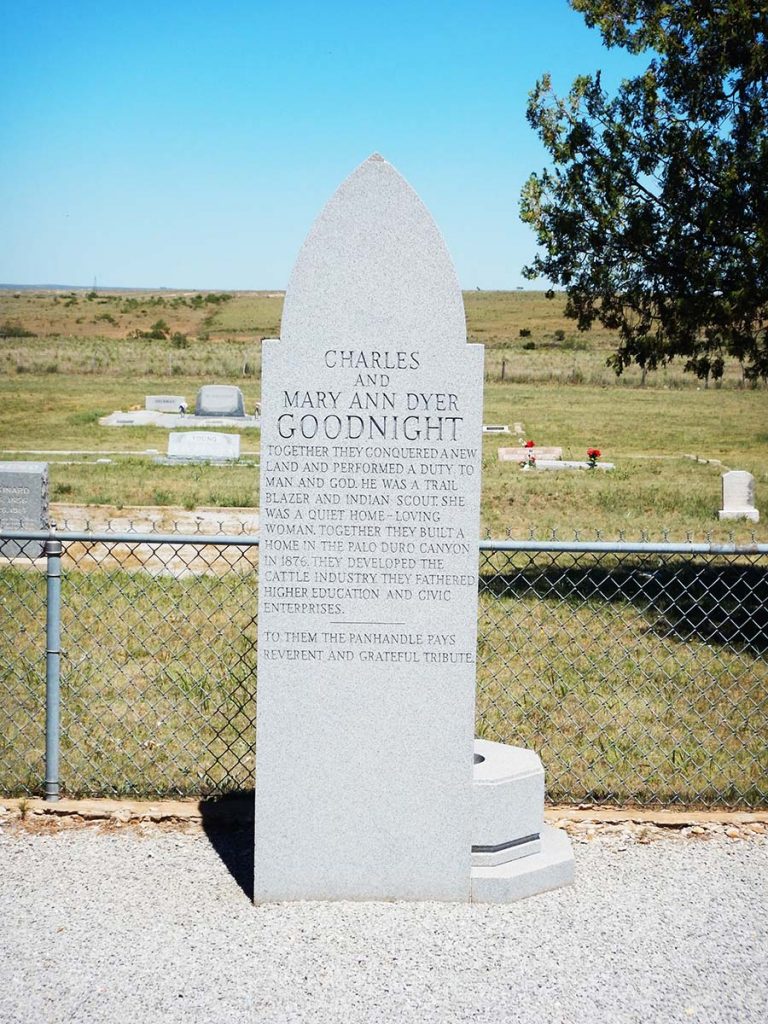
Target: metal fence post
(52, 668)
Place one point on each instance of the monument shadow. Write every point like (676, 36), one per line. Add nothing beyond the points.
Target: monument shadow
(228, 825)
(719, 604)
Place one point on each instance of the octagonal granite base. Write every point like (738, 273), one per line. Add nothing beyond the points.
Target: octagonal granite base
(514, 854)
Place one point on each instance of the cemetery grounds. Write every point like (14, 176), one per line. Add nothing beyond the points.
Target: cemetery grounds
(136, 639)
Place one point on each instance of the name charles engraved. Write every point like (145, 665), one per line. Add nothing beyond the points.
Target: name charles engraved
(359, 360)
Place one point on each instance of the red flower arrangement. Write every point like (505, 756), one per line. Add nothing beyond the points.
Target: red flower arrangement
(530, 461)
(593, 454)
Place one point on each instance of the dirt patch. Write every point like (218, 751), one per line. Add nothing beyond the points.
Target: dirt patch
(176, 560)
(584, 825)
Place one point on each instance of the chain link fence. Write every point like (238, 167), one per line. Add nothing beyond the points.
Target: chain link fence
(638, 671)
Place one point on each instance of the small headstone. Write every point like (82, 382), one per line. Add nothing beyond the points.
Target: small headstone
(739, 496)
(203, 446)
(521, 454)
(219, 400)
(165, 403)
(23, 505)
(495, 428)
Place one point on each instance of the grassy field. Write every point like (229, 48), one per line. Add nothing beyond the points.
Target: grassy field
(670, 439)
(85, 333)
(158, 673)
(626, 698)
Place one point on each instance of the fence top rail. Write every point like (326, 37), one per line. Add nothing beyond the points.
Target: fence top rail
(113, 537)
(243, 540)
(627, 547)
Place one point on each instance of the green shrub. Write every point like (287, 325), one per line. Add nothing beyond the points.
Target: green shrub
(576, 344)
(14, 329)
(159, 329)
(524, 332)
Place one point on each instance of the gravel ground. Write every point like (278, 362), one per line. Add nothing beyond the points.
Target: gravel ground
(139, 924)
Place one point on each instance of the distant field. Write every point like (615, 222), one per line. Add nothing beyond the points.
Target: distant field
(87, 358)
(220, 334)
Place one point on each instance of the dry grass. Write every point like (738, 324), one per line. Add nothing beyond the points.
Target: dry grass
(625, 700)
(77, 334)
(67, 382)
(158, 673)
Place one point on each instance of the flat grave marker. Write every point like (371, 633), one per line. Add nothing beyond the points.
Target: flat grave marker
(520, 454)
(571, 464)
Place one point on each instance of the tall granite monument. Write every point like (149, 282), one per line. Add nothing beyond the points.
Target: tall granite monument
(370, 492)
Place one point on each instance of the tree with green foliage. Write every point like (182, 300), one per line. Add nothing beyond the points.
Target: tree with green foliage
(654, 216)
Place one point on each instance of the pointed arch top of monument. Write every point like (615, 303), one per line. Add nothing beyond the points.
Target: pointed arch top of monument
(374, 270)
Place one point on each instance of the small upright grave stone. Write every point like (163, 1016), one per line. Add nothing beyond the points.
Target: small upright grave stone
(219, 400)
(739, 496)
(370, 492)
(23, 505)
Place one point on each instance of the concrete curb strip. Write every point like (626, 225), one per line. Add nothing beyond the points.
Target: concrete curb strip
(239, 810)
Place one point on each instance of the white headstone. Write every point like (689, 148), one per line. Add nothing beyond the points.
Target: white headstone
(165, 403)
(370, 490)
(739, 496)
(203, 446)
(219, 400)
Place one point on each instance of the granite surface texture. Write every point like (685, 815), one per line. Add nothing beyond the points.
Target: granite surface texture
(370, 486)
(23, 505)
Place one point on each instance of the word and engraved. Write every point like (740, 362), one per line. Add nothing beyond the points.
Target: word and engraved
(368, 520)
(370, 413)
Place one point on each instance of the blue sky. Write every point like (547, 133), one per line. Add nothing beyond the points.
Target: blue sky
(191, 144)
